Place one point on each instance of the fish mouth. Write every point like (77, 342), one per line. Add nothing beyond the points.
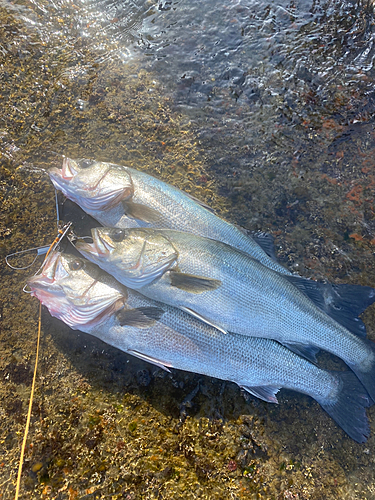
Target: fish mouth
(85, 310)
(44, 286)
(100, 247)
(64, 174)
(61, 183)
(51, 272)
(68, 171)
(90, 196)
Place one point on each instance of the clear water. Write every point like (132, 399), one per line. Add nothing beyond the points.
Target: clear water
(265, 111)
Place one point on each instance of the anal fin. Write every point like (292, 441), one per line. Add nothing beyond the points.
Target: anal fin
(266, 393)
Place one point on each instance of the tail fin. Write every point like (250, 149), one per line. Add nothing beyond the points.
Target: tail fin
(348, 410)
(344, 303)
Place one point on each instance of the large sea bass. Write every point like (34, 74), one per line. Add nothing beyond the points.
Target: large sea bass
(87, 299)
(230, 290)
(120, 196)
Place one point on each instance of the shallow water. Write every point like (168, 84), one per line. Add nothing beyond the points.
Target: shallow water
(263, 110)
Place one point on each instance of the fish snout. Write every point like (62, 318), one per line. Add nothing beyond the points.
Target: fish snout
(52, 272)
(64, 174)
(68, 170)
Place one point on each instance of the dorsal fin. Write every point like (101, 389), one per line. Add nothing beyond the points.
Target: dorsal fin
(265, 241)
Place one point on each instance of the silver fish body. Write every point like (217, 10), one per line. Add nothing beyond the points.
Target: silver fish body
(227, 289)
(170, 338)
(120, 196)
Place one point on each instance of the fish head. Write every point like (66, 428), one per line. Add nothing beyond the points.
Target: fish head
(135, 256)
(93, 185)
(76, 291)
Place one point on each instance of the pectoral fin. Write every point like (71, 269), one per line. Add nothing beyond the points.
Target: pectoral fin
(150, 359)
(265, 241)
(266, 392)
(191, 283)
(142, 212)
(202, 318)
(142, 317)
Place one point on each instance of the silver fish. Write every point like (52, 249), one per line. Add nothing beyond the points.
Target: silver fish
(120, 196)
(227, 289)
(71, 287)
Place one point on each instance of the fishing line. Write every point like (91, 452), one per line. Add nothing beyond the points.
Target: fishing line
(30, 405)
(40, 251)
(57, 209)
(62, 232)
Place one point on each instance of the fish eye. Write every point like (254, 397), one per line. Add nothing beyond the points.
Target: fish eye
(76, 265)
(118, 235)
(86, 163)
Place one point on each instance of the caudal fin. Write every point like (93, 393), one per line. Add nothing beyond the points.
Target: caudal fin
(343, 303)
(348, 410)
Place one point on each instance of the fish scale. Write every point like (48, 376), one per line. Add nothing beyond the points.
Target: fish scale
(249, 298)
(119, 196)
(150, 197)
(172, 338)
(189, 216)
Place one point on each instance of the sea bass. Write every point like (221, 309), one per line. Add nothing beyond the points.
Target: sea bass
(119, 196)
(227, 289)
(73, 288)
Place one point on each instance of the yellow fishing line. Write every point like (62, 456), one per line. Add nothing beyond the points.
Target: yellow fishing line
(61, 234)
(30, 405)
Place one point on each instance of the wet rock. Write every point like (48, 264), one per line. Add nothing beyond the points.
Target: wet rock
(143, 378)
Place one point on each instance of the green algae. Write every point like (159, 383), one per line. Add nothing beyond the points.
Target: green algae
(96, 432)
